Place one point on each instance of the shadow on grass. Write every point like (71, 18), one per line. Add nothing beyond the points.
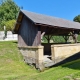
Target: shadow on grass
(72, 65)
(15, 42)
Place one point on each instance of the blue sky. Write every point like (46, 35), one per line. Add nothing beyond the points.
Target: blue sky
(66, 9)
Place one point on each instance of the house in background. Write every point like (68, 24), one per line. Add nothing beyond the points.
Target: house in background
(31, 27)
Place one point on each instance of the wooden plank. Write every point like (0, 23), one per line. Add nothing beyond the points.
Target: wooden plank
(30, 34)
(39, 36)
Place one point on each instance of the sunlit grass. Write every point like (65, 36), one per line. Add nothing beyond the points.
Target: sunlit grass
(12, 67)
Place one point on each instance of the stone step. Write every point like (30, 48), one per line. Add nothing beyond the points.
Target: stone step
(47, 61)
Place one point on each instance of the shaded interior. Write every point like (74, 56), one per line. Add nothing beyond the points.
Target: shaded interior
(47, 48)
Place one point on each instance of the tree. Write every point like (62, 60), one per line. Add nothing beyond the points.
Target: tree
(77, 19)
(8, 12)
(10, 24)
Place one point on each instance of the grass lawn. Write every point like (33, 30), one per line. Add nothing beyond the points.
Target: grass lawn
(12, 67)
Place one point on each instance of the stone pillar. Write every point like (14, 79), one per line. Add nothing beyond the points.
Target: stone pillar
(39, 58)
(53, 53)
(75, 37)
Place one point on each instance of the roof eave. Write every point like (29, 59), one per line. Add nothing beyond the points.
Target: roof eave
(15, 30)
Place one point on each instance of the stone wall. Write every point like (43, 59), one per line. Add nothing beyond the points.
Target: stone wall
(9, 36)
(33, 55)
(63, 51)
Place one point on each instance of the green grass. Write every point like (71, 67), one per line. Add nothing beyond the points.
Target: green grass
(12, 67)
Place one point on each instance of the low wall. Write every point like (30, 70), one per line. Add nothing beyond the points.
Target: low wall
(59, 52)
(9, 36)
(33, 55)
(63, 51)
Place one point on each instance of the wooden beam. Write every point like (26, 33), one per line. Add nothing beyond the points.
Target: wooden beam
(39, 36)
(48, 38)
(18, 23)
(45, 37)
(46, 25)
(42, 35)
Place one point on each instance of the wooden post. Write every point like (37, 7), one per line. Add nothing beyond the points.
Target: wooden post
(48, 39)
(42, 35)
(39, 36)
(75, 37)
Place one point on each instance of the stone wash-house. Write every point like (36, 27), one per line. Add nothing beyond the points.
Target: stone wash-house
(31, 27)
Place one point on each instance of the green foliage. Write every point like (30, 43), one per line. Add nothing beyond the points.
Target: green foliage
(56, 39)
(77, 19)
(44, 40)
(8, 11)
(10, 24)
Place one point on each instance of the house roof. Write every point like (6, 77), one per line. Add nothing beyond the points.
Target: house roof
(48, 20)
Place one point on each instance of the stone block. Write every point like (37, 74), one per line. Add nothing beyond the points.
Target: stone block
(61, 52)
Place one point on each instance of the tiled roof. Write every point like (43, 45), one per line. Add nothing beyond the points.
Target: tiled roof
(49, 20)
